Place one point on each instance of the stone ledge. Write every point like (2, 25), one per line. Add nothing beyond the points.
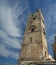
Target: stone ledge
(39, 62)
(42, 63)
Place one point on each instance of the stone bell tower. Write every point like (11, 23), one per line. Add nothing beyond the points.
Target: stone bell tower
(34, 46)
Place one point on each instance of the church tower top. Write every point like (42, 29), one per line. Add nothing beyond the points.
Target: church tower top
(38, 10)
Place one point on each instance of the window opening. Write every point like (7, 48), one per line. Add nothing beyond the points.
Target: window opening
(44, 31)
(30, 39)
(45, 53)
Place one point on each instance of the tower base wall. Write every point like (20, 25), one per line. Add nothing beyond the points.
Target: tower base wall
(37, 63)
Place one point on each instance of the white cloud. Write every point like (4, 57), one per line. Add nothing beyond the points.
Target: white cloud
(8, 23)
(2, 51)
(12, 42)
(6, 53)
(8, 28)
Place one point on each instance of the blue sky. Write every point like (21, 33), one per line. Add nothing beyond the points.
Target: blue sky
(13, 19)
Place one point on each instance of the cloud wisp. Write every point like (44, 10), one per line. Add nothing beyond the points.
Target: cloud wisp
(10, 28)
(8, 54)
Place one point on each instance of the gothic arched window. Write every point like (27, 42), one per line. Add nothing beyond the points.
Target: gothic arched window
(33, 27)
(45, 53)
(30, 39)
(44, 31)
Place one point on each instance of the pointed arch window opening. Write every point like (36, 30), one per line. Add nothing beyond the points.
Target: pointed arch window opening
(33, 27)
(45, 53)
(30, 39)
(44, 31)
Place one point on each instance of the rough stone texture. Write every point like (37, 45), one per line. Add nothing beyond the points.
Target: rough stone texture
(34, 46)
(38, 63)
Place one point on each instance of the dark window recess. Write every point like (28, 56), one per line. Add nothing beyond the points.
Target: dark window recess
(45, 53)
(22, 58)
(30, 39)
(37, 10)
(44, 31)
(32, 30)
(34, 18)
(33, 27)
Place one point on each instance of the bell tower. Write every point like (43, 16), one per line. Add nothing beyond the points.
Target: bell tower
(34, 46)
